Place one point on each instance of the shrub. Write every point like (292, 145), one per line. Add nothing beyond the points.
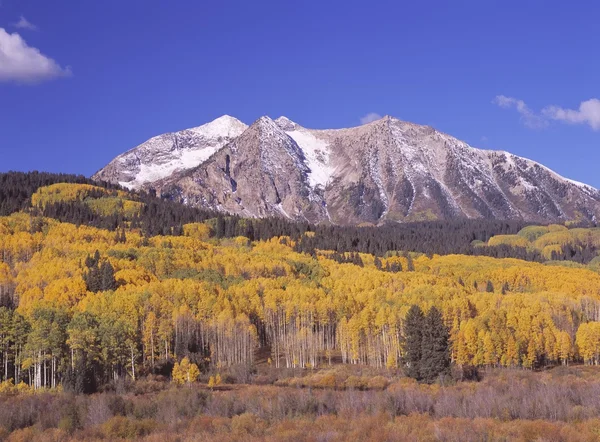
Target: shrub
(245, 424)
(355, 383)
(326, 381)
(377, 383)
(120, 427)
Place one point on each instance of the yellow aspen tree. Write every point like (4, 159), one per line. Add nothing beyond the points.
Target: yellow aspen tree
(565, 347)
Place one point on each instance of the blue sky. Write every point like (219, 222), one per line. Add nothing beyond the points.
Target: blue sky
(82, 81)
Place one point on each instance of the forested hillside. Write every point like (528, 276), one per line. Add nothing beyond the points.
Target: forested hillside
(82, 300)
(78, 200)
(104, 290)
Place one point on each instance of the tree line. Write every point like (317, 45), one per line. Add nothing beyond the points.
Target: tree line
(164, 217)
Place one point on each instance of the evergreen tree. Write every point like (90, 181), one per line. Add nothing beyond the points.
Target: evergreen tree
(120, 237)
(107, 275)
(489, 287)
(99, 277)
(220, 227)
(377, 263)
(435, 349)
(413, 335)
(410, 266)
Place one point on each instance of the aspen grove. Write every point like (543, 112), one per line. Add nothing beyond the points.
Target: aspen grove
(85, 305)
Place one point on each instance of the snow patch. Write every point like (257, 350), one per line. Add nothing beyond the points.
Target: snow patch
(316, 152)
(126, 185)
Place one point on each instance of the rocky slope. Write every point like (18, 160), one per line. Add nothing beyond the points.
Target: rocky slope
(161, 156)
(387, 170)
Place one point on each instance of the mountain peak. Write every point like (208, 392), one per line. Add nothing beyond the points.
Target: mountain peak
(386, 171)
(225, 125)
(286, 124)
(265, 119)
(266, 124)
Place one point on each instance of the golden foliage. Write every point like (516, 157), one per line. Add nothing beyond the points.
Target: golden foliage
(310, 308)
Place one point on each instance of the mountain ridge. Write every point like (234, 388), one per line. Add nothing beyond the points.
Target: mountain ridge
(386, 170)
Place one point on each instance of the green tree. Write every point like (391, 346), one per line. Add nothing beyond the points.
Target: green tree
(83, 342)
(377, 263)
(435, 350)
(413, 336)
(107, 277)
(410, 266)
(6, 332)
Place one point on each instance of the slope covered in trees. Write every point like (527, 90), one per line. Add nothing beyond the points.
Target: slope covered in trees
(78, 200)
(553, 243)
(107, 290)
(84, 306)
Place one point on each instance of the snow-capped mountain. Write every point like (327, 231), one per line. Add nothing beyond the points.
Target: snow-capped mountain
(161, 156)
(387, 170)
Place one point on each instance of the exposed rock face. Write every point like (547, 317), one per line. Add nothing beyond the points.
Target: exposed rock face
(387, 170)
(261, 173)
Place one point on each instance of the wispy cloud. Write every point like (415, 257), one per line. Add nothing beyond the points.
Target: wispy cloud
(369, 118)
(528, 117)
(588, 113)
(25, 64)
(23, 23)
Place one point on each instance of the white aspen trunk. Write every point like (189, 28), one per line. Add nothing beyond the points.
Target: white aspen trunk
(132, 364)
(152, 348)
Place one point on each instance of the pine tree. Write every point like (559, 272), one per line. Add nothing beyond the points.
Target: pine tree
(413, 335)
(489, 287)
(377, 263)
(435, 350)
(107, 277)
(410, 266)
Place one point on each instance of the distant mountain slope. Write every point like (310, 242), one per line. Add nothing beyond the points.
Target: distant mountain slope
(387, 170)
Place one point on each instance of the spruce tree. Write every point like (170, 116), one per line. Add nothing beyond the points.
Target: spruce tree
(377, 263)
(413, 335)
(107, 276)
(435, 350)
(410, 265)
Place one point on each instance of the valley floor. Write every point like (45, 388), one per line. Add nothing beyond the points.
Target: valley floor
(560, 404)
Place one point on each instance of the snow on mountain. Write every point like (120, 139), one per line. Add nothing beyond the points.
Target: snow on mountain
(316, 151)
(384, 171)
(166, 154)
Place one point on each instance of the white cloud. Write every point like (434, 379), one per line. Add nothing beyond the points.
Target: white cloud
(23, 23)
(528, 117)
(370, 117)
(25, 64)
(588, 113)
